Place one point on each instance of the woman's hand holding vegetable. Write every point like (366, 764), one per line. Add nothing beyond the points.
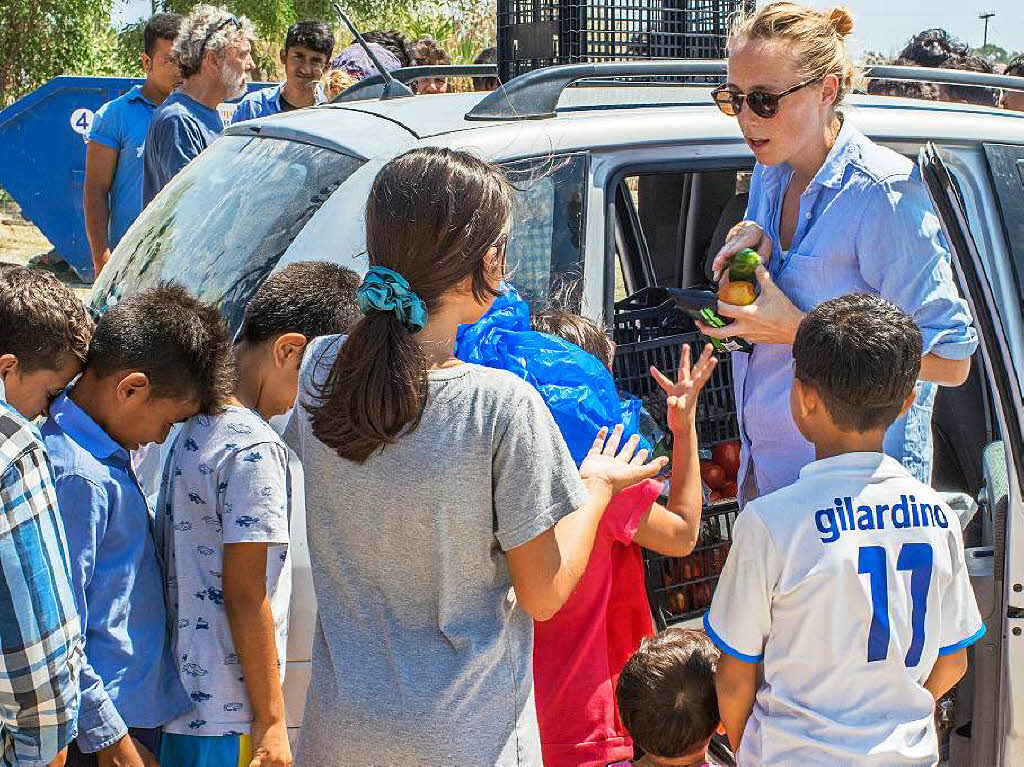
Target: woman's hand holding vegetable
(746, 234)
(771, 319)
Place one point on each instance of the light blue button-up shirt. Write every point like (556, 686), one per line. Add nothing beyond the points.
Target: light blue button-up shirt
(266, 101)
(866, 225)
(129, 678)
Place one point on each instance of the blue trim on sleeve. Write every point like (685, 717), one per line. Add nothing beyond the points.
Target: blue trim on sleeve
(965, 643)
(721, 644)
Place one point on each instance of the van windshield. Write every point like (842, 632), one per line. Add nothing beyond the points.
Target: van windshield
(222, 224)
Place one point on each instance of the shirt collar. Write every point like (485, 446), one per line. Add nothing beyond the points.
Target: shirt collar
(74, 422)
(275, 95)
(856, 463)
(135, 94)
(843, 152)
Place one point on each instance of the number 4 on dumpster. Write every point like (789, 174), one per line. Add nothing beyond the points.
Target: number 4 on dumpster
(81, 120)
(915, 558)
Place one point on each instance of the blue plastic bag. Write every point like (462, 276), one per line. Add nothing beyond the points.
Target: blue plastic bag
(578, 390)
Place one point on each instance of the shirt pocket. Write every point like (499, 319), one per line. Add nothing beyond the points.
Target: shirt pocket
(805, 280)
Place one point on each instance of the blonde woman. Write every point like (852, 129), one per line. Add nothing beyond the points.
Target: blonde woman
(830, 212)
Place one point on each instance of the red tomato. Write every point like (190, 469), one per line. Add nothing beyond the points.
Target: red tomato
(729, 489)
(727, 455)
(712, 475)
(714, 497)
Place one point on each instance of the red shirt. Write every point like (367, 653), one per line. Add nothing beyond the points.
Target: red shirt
(579, 653)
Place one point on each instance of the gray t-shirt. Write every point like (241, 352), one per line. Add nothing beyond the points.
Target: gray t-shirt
(421, 655)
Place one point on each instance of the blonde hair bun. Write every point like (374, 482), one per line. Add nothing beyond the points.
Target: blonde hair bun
(841, 20)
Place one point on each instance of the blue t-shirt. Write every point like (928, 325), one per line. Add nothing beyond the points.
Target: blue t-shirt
(122, 125)
(181, 129)
(267, 101)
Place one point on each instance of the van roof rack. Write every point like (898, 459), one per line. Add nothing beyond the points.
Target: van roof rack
(372, 87)
(534, 95)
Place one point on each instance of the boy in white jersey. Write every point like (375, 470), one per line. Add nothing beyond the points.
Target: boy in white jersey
(850, 585)
(222, 521)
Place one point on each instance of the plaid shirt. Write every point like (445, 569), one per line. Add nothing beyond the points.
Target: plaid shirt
(39, 629)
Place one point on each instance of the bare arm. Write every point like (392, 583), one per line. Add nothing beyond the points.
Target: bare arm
(545, 570)
(736, 684)
(944, 372)
(252, 631)
(673, 531)
(100, 166)
(947, 671)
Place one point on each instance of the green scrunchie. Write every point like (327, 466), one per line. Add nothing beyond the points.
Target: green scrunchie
(384, 290)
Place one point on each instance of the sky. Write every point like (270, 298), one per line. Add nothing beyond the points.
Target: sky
(882, 26)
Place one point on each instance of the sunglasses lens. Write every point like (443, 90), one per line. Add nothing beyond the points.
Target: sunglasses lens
(764, 104)
(727, 102)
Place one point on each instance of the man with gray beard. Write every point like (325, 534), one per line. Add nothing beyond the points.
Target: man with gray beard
(214, 53)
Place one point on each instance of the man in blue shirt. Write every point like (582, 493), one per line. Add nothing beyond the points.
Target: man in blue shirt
(155, 359)
(307, 49)
(113, 156)
(214, 54)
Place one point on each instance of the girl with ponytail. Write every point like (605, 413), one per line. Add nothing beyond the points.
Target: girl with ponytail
(443, 510)
(830, 212)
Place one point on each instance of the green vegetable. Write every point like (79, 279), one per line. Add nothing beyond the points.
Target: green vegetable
(743, 265)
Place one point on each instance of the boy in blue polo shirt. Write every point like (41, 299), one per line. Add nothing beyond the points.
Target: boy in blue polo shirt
(307, 50)
(112, 198)
(850, 585)
(155, 359)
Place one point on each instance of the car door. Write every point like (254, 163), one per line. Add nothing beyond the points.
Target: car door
(996, 704)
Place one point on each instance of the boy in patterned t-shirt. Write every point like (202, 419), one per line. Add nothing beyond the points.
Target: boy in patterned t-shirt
(223, 521)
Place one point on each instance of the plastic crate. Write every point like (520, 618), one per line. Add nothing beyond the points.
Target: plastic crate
(539, 33)
(680, 588)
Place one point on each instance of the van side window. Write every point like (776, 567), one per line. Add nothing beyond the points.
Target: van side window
(1007, 165)
(545, 247)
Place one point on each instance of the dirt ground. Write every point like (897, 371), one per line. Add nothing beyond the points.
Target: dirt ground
(20, 242)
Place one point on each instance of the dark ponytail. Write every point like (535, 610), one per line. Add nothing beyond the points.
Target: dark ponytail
(432, 216)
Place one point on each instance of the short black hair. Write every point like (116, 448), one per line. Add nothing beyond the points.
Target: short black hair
(161, 26)
(315, 298)
(42, 322)
(1016, 66)
(937, 48)
(862, 354)
(393, 41)
(666, 693)
(179, 342)
(315, 35)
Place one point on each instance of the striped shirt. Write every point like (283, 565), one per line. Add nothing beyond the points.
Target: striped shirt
(39, 630)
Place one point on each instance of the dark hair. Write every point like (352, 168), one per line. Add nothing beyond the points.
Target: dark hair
(161, 26)
(584, 333)
(315, 35)
(1016, 66)
(427, 51)
(432, 216)
(315, 298)
(393, 41)
(862, 355)
(486, 56)
(937, 48)
(179, 342)
(42, 322)
(666, 693)
(910, 89)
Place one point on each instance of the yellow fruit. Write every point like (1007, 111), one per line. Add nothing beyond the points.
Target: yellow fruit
(737, 294)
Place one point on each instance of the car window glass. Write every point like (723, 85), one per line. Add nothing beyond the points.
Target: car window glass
(1007, 165)
(545, 247)
(223, 223)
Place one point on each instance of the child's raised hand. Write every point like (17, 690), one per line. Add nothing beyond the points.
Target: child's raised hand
(682, 393)
(618, 468)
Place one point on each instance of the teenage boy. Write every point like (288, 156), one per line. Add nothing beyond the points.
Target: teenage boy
(113, 157)
(223, 516)
(307, 50)
(39, 628)
(214, 53)
(849, 585)
(155, 359)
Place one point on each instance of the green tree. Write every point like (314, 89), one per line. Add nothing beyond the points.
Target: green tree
(40, 39)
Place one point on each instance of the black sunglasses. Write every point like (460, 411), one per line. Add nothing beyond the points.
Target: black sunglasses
(762, 103)
(215, 30)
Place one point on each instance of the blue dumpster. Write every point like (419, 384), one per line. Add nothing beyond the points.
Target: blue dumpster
(42, 157)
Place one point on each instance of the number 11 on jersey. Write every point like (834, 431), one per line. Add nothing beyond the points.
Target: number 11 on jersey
(915, 558)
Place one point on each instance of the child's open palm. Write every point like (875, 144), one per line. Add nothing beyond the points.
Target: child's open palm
(682, 393)
(618, 468)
